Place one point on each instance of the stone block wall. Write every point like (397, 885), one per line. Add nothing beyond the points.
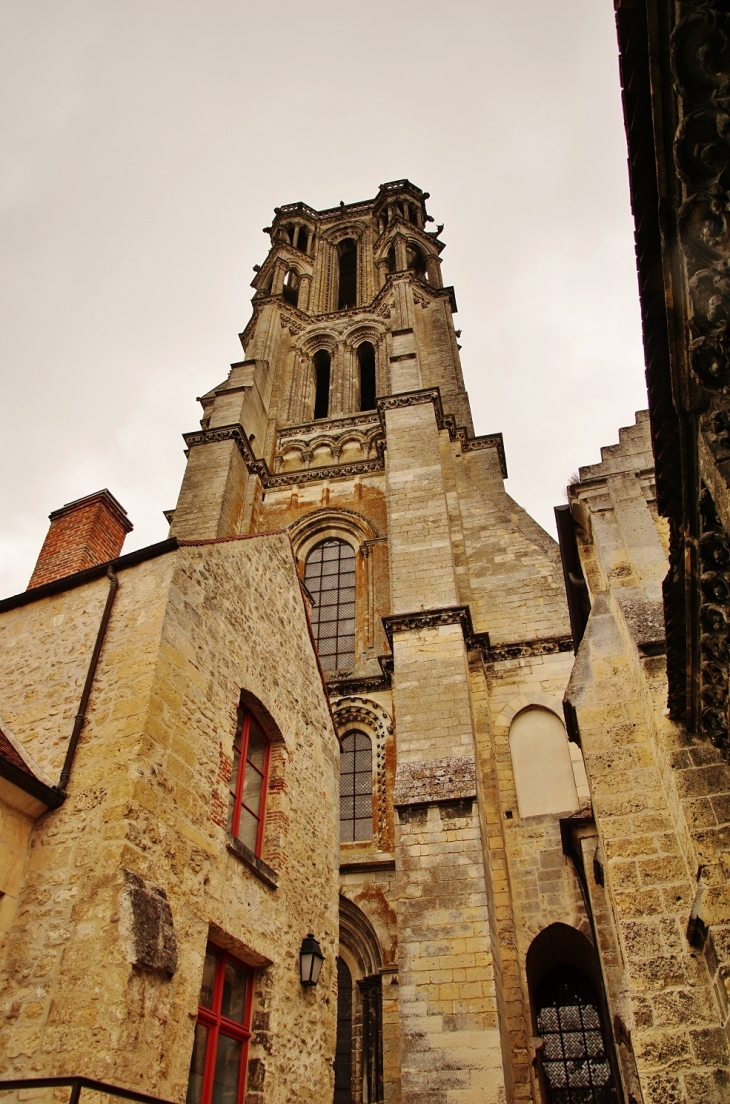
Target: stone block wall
(189, 632)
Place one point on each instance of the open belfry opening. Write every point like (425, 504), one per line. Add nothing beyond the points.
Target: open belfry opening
(344, 818)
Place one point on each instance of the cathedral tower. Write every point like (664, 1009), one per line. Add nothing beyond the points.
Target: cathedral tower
(439, 616)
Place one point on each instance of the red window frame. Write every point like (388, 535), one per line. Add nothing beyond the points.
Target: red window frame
(244, 764)
(218, 1025)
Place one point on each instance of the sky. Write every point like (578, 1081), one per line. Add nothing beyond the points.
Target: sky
(144, 145)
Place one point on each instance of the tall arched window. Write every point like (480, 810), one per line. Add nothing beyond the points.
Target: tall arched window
(322, 383)
(248, 781)
(302, 239)
(330, 577)
(416, 260)
(574, 1059)
(366, 360)
(356, 788)
(347, 293)
(291, 288)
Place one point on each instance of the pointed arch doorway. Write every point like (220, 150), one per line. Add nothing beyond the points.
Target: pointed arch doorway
(359, 1051)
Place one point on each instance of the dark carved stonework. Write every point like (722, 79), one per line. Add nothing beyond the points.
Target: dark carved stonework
(154, 945)
(714, 625)
(523, 649)
(429, 619)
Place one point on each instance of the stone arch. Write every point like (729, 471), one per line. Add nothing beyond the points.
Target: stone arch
(363, 714)
(541, 763)
(328, 522)
(359, 1066)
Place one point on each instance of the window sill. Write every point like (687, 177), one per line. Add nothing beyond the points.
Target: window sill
(262, 871)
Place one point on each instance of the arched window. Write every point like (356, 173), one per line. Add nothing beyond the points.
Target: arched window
(574, 1058)
(356, 788)
(544, 777)
(322, 383)
(416, 260)
(248, 781)
(366, 360)
(302, 239)
(291, 288)
(330, 577)
(391, 259)
(347, 293)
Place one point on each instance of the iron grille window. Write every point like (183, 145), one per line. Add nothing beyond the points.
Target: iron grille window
(356, 788)
(330, 577)
(573, 1054)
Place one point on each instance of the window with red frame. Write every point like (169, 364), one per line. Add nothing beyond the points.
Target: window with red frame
(248, 782)
(218, 1064)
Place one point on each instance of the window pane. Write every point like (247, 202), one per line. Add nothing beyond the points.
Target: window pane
(227, 1070)
(248, 830)
(206, 988)
(257, 744)
(235, 983)
(574, 1055)
(252, 787)
(197, 1065)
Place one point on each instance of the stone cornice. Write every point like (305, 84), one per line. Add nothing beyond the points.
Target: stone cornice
(329, 425)
(525, 649)
(435, 618)
(271, 480)
(435, 781)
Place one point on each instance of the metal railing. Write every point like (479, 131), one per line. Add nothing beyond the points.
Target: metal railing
(76, 1084)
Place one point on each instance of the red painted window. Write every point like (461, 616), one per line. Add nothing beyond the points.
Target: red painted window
(248, 782)
(218, 1064)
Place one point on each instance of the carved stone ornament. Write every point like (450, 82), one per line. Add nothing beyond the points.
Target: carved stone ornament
(148, 921)
(525, 649)
(434, 618)
(701, 65)
(714, 625)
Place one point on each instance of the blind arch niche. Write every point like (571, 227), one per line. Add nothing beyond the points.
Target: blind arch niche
(542, 766)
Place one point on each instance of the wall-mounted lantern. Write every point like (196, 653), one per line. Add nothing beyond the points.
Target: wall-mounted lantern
(310, 960)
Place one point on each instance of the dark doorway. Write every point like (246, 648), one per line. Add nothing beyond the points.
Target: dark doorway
(343, 1052)
(371, 989)
(366, 359)
(322, 378)
(347, 294)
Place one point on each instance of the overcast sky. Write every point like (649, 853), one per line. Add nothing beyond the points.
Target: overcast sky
(145, 143)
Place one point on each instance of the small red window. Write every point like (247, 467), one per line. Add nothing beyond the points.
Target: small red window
(218, 1064)
(248, 782)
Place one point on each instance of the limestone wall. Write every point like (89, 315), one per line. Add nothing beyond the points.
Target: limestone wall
(188, 633)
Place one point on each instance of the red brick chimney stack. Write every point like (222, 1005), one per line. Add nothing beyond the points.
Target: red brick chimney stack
(82, 534)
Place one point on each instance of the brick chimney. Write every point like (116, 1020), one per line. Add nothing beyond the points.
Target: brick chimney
(82, 534)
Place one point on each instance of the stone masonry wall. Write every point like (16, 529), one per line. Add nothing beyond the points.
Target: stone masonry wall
(188, 633)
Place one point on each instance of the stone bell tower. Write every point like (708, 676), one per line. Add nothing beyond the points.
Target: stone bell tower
(439, 613)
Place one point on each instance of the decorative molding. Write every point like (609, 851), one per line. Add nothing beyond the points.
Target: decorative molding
(435, 781)
(368, 684)
(525, 649)
(714, 625)
(330, 425)
(272, 480)
(435, 618)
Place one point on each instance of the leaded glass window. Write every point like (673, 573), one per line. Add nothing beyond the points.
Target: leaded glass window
(330, 579)
(574, 1057)
(356, 788)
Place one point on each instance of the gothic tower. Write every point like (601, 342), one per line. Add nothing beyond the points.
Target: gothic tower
(442, 630)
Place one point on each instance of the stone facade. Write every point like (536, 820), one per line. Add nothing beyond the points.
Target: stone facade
(517, 820)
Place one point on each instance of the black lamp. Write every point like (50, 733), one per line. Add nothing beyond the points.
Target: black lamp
(310, 960)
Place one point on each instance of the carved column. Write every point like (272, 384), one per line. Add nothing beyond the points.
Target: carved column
(280, 270)
(401, 260)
